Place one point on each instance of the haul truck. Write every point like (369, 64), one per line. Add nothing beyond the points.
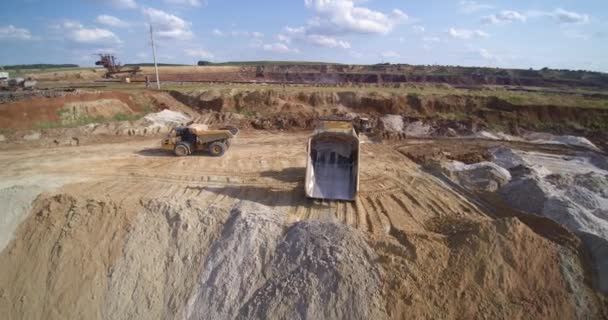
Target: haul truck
(332, 167)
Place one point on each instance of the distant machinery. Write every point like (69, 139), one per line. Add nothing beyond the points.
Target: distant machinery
(113, 66)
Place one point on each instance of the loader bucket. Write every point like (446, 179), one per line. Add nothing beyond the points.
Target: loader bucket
(332, 168)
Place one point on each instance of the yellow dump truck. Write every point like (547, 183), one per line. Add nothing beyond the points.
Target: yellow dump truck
(332, 167)
(184, 141)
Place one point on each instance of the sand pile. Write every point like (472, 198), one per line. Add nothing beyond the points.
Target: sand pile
(482, 176)
(572, 190)
(16, 197)
(174, 259)
(569, 189)
(467, 269)
(152, 124)
(166, 117)
(538, 137)
(392, 123)
(169, 258)
(262, 269)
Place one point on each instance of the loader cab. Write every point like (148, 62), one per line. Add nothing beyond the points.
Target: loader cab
(185, 134)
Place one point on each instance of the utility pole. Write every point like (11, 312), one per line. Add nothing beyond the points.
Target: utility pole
(154, 57)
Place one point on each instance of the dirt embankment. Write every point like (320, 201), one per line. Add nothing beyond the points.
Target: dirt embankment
(382, 74)
(298, 106)
(35, 111)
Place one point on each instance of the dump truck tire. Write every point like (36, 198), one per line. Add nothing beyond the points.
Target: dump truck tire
(217, 149)
(181, 149)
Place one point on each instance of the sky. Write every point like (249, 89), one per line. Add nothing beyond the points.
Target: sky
(564, 34)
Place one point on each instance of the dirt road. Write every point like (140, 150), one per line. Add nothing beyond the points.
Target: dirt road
(126, 230)
(266, 168)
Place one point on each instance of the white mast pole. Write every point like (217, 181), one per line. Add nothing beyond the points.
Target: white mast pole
(154, 57)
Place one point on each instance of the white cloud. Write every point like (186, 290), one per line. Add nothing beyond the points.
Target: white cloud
(237, 33)
(283, 38)
(168, 26)
(343, 16)
(129, 4)
(191, 3)
(12, 32)
(356, 54)
(279, 48)
(111, 21)
(390, 54)
(504, 17)
(320, 40)
(75, 31)
(484, 53)
(473, 6)
(290, 33)
(93, 35)
(577, 35)
(340, 17)
(69, 24)
(431, 39)
(199, 54)
(466, 34)
(562, 16)
(328, 42)
(418, 29)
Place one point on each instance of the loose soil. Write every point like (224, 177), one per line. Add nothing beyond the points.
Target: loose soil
(137, 233)
(32, 112)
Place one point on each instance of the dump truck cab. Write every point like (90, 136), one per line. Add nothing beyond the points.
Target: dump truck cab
(332, 167)
(184, 141)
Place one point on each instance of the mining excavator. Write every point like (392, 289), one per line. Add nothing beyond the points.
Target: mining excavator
(113, 67)
(184, 141)
(332, 167)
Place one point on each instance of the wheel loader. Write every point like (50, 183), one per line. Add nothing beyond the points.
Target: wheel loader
(332, 167)
(184, 141)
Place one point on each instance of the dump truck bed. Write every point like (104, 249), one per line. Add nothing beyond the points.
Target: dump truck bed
(332, 169)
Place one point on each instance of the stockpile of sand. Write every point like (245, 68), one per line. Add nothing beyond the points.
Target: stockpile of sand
(16, 197)
(169, 258)
(572, 190)
(261, 268)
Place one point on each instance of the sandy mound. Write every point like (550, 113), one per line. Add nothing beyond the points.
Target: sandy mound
(483, 269)
(16, 197)
(261, 269)
(482, 176)
(167, 116)
(169, 259)
(392, 123)
(172, 258)
(570, 190)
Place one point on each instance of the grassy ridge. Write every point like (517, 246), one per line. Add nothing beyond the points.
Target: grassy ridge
(146, 64)
(269, 63)
(39, 66)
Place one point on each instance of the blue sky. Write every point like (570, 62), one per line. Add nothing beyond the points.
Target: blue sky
(521, 34)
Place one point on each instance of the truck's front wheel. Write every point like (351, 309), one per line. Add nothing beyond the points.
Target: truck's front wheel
(217, 149)
(181, 150)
